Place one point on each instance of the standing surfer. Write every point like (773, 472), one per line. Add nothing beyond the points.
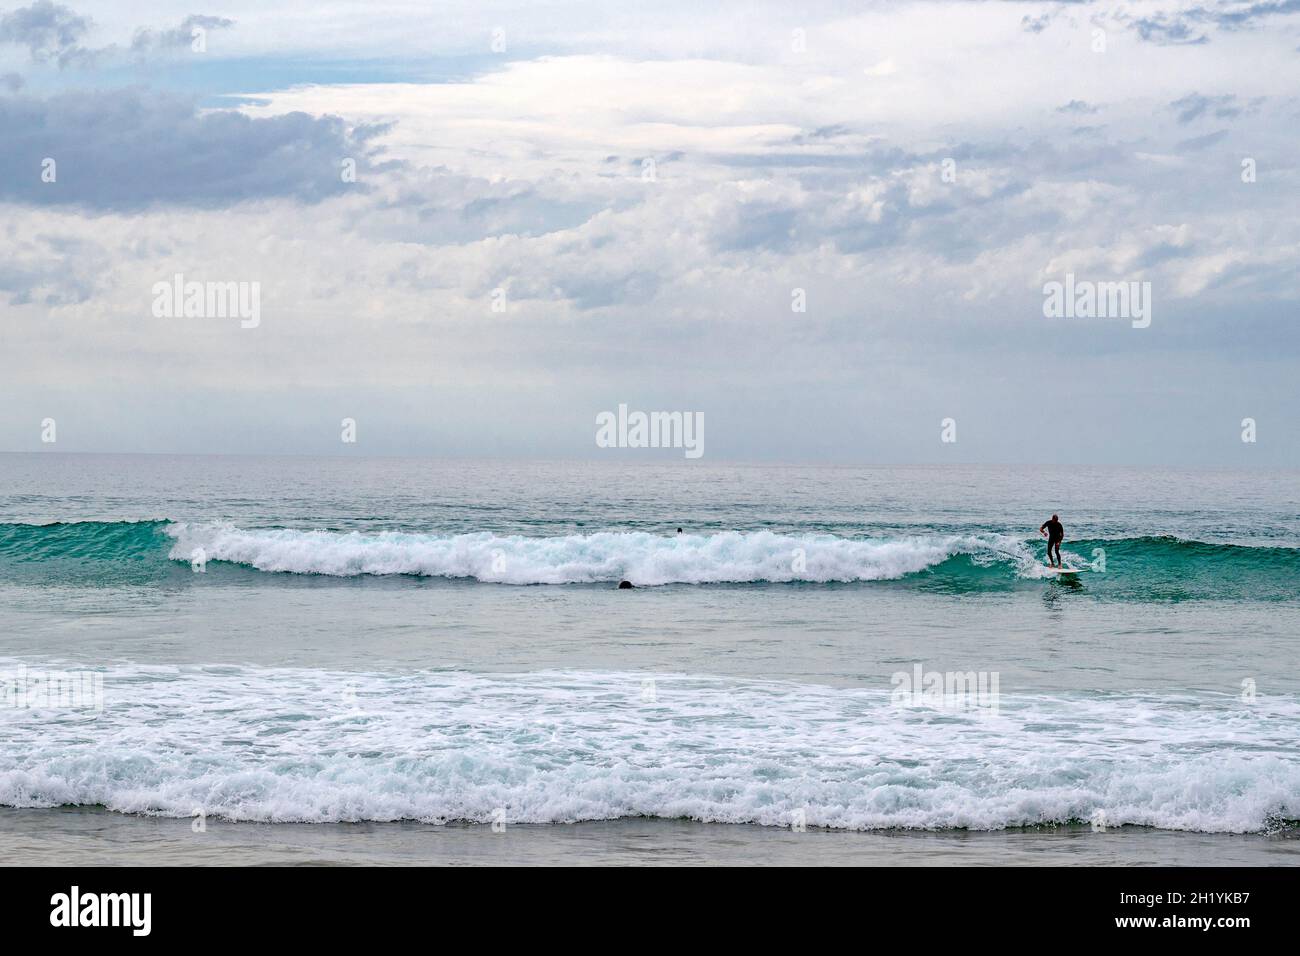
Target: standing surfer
(1055, 534)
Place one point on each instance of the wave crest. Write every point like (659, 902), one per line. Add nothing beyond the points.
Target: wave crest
(643, 559)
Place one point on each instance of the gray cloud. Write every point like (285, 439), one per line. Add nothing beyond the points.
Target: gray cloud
(1169, 30)
(1076, 106)
(1187, 27)
(51, 270)
(1036, 24)
(50, 31)
(1200, 142)
(1193, 106)
(1243, 15)
(53, 33)
(822, 134)
(603, 290)
(148, 41)
(125, 150)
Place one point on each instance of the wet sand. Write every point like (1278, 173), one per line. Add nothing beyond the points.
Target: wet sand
(96, 837)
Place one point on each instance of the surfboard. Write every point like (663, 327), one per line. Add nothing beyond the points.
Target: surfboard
(1064, 570)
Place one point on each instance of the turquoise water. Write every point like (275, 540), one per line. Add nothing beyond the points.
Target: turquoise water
(96, 553)
(444, 641)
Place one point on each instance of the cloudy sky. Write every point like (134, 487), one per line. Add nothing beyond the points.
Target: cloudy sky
(639, 190)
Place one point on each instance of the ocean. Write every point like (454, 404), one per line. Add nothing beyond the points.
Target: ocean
(350, 660)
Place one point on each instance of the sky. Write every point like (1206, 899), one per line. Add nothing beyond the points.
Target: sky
(825, 227)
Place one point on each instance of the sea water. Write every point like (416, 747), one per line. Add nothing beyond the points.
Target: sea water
(338, 640)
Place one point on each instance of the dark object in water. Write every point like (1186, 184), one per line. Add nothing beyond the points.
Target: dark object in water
(623, 585)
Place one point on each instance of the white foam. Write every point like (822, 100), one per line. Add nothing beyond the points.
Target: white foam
(316, 746)
(643, 559)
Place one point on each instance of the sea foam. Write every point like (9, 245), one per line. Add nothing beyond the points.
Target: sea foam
(298, 745)
(643, 559)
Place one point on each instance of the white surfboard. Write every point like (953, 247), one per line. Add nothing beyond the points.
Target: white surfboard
(1064, 570)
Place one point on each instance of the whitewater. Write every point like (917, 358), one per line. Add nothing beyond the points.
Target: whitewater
(642, 558)
(292, 745)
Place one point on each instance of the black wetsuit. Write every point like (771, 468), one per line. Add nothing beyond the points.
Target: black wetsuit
(1055, 535)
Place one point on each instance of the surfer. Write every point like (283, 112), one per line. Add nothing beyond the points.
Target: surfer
(1054, 534)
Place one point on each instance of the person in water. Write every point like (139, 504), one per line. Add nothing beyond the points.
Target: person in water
(1055, 534)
